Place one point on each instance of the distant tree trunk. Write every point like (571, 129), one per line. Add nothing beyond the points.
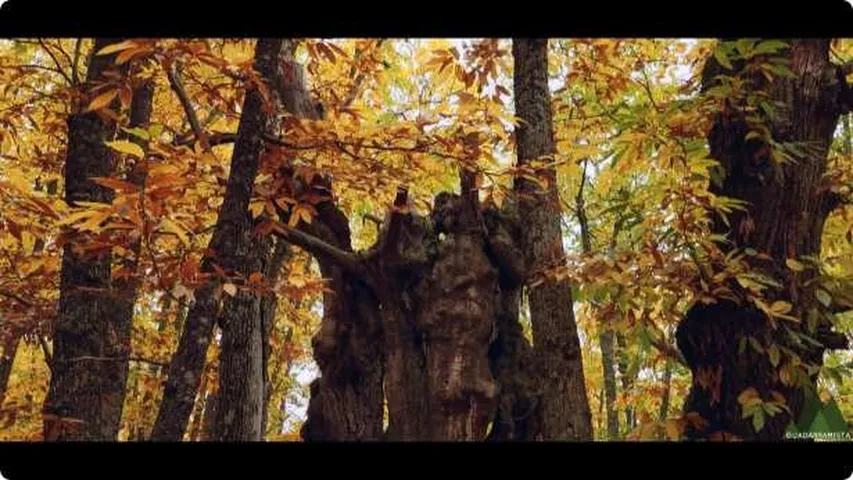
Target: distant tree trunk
(565, 409)
(278, 255)
(86, 392)
(626, 379)
(605, 335)
(10, 349)
(667, 385)
(235, 245)
(786, 208)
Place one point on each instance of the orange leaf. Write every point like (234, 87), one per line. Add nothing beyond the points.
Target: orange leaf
(102, 100)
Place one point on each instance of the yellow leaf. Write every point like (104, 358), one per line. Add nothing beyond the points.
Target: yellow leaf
(116, 47)
(256, 208)
(28, 241)
(794, 265)
(127, 147)
(780, 307)
(173, 227)
(94, 221)
(102, 100)
(230, 289)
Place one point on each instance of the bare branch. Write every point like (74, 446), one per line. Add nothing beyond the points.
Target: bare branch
(55, 62)
(17, 298)
(315, 246)
(74, 70)
(180, 91)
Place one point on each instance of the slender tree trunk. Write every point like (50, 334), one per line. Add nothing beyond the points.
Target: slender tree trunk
(605, 335)
(10, 349)
(278, 256)
(565, 411)
(626, 379)
(127, 288)
(234, 244)
(786, 208)
(667, 385)
(85, 394)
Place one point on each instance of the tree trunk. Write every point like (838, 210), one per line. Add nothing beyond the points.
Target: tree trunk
(667, 385)
(278, 256)
(626, 379)
(565, 409)
(10, 349)
(86, 392)
(786, 208)
(127, 288)
(239, 409)
(232, 243)
(605, 335)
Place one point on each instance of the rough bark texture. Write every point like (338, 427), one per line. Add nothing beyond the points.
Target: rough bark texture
(457, 321)
(511, 355)
(239, 411)
(787, 206)
(565, 410)
(127, 288)
(85, 395)
(240, 319)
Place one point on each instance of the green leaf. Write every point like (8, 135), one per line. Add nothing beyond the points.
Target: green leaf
(834, 417)
(823, 297)
(769, 46)
(758, 420)
(138, 132)
(723, 58)
(774, 354)
(741, 346)
(756, 345)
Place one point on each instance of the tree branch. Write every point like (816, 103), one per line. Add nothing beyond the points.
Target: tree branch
(55, 62)
(16, 297)
(180, 91)
(74, 75)
(48, 357)
(315, 246)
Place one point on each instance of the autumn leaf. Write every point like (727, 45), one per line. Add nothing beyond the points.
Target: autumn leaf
(117, 47)
(102, 100)
(230, 289)
(127, 147)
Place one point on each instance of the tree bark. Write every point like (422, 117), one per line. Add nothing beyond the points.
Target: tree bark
(85, 396)
(127, 289)
(786, 208)
(565, 409)
(10, 349)
(278, 256)
(240, 416)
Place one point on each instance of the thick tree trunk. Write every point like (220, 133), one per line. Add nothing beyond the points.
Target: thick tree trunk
(234, 244)
(457, 321)
(605, 341)
(565, 409)
(786, 207)
(86, 392)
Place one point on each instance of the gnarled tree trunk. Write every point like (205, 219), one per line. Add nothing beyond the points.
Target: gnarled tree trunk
(786, 208)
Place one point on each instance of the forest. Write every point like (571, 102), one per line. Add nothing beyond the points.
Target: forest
(401, 239)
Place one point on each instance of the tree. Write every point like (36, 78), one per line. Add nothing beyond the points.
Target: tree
(87, 383)
(750, 363)
(565, 409)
